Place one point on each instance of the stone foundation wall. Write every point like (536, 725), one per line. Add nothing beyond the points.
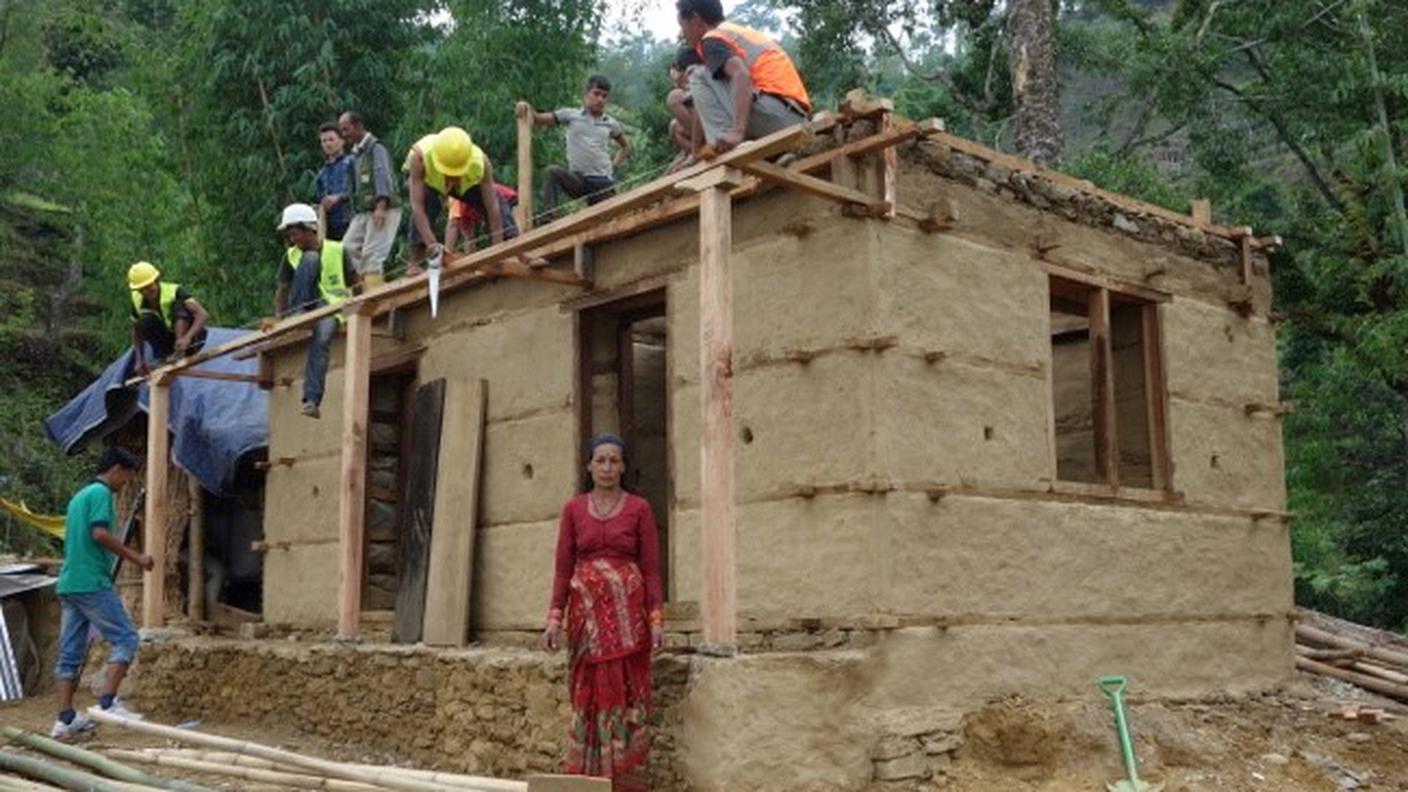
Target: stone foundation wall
(486, 712)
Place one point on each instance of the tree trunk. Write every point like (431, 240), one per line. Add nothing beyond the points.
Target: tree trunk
(1036, 91)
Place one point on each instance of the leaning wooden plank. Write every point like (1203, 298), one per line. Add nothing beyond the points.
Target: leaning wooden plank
(319, 766)
(456, 515)
(96, 762)
(418, 512)
(283, 779)
(60, 776)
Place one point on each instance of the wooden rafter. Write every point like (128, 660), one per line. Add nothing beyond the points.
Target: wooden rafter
(819, 187)
(352, 505)
(154, 519)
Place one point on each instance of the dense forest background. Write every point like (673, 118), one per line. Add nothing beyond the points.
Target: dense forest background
(174, 131)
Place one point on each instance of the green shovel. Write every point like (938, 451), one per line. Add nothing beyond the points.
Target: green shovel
(1113, 686)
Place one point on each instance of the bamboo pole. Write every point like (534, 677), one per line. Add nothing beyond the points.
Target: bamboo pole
(1365, 681)
(448, 779)
(96, 762)
(1308, 633)
(59, 776)
(295, 780)
(367, 775)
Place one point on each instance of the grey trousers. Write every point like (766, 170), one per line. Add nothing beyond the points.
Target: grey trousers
(713, 102)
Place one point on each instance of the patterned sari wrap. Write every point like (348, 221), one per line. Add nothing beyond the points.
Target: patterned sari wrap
(608, 636)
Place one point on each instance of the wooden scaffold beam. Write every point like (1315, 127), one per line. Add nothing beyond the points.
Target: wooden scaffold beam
(718, 607)
(155, 517)
(351, 509)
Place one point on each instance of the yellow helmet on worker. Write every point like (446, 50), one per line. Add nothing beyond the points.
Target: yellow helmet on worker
(453, 152)
(141, 275)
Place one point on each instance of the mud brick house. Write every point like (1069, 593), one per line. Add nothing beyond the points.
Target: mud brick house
(922, 424)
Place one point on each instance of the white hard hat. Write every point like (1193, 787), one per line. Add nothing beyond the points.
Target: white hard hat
(298, 214)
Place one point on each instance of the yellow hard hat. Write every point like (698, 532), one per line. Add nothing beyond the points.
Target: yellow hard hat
(141, 275)
(453, 153)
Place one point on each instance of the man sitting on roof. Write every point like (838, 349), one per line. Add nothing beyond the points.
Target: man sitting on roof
(681, 107)
(318, 274)
(164, 315)
(447, 164)
(748, 87)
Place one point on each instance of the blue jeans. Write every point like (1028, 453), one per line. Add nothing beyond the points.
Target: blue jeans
(102, 610)
(306, 296)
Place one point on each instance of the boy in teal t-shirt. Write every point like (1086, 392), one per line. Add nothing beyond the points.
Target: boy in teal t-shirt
(86, 593)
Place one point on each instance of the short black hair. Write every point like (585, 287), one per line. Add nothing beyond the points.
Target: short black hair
(599, 81)
(711, 11)
(686, 57)
(115, 456)
(356, 118)
(330, 126)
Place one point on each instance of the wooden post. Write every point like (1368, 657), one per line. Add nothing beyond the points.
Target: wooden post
(718, 606)
(1102, 385)
(1156, 395)
(352, 500)
(154, 521)
(525, 173)
(195, 561)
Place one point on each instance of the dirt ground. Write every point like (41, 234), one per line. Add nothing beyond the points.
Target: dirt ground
(1279, 741)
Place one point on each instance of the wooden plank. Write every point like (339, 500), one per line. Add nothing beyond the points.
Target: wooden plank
(418, 511)
(195, 556)
(352, 502)
(525, 172)
(227, 376)
(889, 167)
(1102, 387)
(448, 583)
(814, 186)
(719, 601)
(1244, 246)
(1156, 396)
(1100, 280)
(155, 518)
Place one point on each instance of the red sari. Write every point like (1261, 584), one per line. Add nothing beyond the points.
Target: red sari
(608, 581)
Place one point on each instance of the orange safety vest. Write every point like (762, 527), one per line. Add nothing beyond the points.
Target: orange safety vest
(767, 63)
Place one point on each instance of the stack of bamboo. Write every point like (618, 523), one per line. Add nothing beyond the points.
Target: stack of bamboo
(1375, 660)
(247, 763)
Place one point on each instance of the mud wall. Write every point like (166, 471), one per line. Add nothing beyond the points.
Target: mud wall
(894, 410)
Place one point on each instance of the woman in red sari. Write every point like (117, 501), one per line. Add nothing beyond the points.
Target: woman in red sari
(606, 592)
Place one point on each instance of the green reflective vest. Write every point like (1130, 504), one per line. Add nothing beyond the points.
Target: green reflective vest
(435, 180)
(166, 302)
(332, 287)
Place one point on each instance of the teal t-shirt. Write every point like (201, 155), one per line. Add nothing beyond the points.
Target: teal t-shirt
(87, 566)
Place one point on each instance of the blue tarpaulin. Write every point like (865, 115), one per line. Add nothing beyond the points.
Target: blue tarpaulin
(214, 423)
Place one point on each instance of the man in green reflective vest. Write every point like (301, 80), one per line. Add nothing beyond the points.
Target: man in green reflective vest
(164, 315)
(313, 273)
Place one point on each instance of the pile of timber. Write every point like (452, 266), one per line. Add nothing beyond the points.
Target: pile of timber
(248, 763)
(1375, 660)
